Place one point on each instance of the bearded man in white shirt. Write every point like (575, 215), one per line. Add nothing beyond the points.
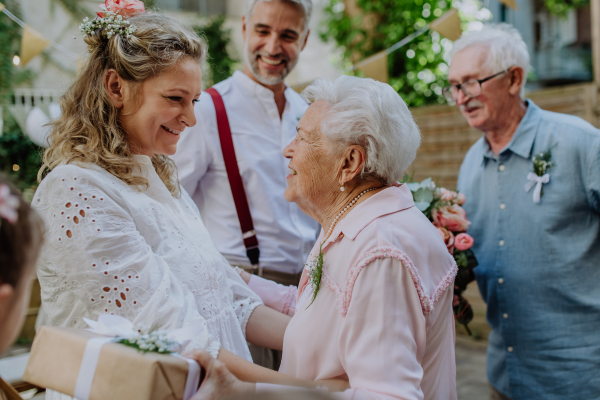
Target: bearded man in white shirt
(262, 112)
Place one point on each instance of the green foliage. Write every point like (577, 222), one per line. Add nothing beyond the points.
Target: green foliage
(10, 41)
(218, 39)
(15, 148)
(19, 153)
(561, 7)
(417, 71)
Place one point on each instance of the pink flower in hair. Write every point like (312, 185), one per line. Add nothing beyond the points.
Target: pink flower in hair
(9, 205)
(122, 7)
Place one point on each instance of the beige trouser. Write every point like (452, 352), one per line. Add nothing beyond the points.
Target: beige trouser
(496, 395)
(262, 356)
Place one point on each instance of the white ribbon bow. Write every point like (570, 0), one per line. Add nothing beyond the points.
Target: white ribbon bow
(536, 181)
(115, 327)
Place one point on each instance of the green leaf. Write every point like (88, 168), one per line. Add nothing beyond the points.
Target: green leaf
(413, 186)
(423, 195)
(422, 206)
(460, 258)
(426, 183)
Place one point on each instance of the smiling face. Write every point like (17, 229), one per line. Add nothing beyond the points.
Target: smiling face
(485, 111)
(167, 108)
(312, 181)
(274, 37)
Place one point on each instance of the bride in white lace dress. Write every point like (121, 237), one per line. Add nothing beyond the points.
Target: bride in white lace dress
(123, 238)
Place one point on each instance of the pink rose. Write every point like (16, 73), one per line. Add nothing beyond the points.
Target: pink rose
(448, 195)
(124, 7)
(453, 217)
(448, 238)
(460, 199)
(463, 242)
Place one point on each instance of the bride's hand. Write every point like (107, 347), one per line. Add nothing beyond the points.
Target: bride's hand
(334, 385)
(218, 382)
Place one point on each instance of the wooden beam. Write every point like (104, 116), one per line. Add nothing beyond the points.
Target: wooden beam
(595, 24)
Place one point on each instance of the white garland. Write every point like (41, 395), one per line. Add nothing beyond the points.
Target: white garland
(151, 341)
(111, 24)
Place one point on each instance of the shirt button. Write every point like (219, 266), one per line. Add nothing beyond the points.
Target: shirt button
(505, 315)
(501, 167)
(501, 243)
(502, 206)
(510, 349)
(500, 281)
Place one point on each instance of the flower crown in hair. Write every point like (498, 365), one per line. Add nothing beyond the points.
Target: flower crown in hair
(9, 204)
(110, 20)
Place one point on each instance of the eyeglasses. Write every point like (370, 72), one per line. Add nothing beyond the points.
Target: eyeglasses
(470, 88)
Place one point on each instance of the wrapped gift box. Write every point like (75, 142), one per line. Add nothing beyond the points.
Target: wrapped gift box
(122, 372)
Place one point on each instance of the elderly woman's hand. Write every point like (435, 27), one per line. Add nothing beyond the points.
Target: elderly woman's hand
(218, 382)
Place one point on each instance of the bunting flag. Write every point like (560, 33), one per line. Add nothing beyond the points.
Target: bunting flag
(32, 44)
(375, 67)
(448, 25)
(510, 3)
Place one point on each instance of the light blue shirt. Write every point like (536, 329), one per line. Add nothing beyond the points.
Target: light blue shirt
(539, 263)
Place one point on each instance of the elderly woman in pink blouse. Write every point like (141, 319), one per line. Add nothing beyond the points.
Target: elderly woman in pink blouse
(374, 304)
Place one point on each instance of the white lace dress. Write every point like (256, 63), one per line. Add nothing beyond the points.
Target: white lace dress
(111, 249)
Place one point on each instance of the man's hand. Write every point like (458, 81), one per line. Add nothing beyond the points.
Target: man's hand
(219, 382)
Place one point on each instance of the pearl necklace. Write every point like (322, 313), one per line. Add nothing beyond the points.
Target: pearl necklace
(345, 209)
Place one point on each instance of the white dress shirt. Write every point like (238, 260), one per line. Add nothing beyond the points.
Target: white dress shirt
(285, 234)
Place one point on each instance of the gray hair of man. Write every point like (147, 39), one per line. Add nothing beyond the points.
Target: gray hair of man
(305, 5)
(506, 48)
(370, 114)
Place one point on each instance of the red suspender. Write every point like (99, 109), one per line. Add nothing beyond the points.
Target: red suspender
(235, 180)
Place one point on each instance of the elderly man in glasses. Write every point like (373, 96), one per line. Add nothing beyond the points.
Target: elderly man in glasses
(532, 184)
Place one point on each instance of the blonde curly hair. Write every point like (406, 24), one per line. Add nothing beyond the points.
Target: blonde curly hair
(89, 130)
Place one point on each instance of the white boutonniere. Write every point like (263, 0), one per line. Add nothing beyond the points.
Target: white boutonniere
(542, 163)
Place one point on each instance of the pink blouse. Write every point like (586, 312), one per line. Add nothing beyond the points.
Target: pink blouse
(383, 316)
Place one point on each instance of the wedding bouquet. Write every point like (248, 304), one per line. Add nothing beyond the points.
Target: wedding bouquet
(444, 209)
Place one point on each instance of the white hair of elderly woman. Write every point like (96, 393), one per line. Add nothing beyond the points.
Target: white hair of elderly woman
(373, 115)
(507, 48)
(306, 5)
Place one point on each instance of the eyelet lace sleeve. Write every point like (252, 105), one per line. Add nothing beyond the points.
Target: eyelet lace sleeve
(95, 261)
(244, 299)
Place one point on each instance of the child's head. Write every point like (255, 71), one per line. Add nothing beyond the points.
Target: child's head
(21, 235)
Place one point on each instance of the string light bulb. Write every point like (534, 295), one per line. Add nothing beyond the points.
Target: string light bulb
(16, 60)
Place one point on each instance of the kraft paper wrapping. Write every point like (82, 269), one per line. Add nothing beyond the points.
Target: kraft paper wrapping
(123, 373)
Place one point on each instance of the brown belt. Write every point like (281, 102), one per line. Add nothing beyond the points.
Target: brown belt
(283, 278)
